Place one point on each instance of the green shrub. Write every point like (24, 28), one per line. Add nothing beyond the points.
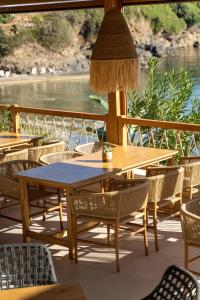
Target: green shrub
(190, 12)
(5, 120)
(52, 31)
(6, 18)
(91, 24)
(168, 20)
(167, 97)
(6, 47)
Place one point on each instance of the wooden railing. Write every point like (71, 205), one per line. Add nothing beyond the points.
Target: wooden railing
(72, 127)
(79, 127)
(184, 137)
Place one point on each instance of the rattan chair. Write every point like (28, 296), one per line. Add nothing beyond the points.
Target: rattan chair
(192, 176)
(35, 153)
(9, 188)
(58, 157)
(13, 154)
(190, 220)
(165, 193)
(113, 208)
(25, 265)
(91, 147)
(176, 284)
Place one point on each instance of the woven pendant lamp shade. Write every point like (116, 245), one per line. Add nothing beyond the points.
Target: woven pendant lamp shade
(114, 61)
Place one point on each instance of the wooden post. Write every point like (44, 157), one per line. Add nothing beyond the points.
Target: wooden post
(15, 118)
(117, 103)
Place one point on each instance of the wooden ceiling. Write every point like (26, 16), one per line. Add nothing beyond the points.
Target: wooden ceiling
(14, 6)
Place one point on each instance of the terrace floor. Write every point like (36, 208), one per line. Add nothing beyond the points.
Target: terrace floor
(96, 268)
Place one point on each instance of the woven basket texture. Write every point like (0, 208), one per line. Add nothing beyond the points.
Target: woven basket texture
(9, 185)
(190, 217)
(166, 186)
(58, 157)
(15, 155)
(176, 283)
(36, 152)
(111, 205)
(25, 265)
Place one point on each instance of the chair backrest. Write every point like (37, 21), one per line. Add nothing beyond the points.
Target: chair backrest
(190, 220)
(91, 147)
(25, 265)
(176, 283)
(165, 186)
(13, 155)
(112, 204)
(9, 185)
(9, 168)
(192, 174)
(88, 148)
(36, 152)
(58, 156)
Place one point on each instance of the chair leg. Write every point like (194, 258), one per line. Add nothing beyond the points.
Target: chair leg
(145, 233)
(44, 213)
(186, 248)
(75, 239)
(190, 193)
(117, 245)
(155, 221)
(108, 233)
(60, 209)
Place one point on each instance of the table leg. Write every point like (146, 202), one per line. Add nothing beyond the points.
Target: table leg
(24, 209)
(69, 223)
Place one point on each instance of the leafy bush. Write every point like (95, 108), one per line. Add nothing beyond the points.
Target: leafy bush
(6, 18)
(5, 120)
(91, 24)
(51, 31)
(167, 97)
(190, 12)
(5, 44)
(171, 23)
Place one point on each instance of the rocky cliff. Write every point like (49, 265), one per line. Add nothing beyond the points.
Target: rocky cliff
(30, 56)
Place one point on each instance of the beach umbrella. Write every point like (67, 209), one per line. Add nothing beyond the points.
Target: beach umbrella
(114, 61)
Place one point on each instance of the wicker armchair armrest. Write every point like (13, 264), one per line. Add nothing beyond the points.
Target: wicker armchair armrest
(99, 205)
(9, 186)
(121, 184)
(151, 171)
(189, 159)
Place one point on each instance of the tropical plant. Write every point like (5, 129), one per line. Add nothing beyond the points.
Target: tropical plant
(166, 97)
(5, 120)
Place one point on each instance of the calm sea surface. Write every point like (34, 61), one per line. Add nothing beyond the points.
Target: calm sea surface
(74, 94)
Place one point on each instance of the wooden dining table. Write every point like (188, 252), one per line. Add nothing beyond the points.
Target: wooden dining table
(77, 173)
(66, 291)
(10, 139)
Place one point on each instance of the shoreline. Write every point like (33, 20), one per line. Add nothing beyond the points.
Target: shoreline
(21, 79)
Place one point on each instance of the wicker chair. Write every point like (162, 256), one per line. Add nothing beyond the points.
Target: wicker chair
(165, 192)
(58, 156)
(25, 265)
(9, 155)
(190, 220)
(9, 188)
(90, 147)
(112, 208)
(192, 176)
(35, 153)
(176, 283)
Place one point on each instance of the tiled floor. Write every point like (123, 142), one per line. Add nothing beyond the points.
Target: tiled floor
(96, 268)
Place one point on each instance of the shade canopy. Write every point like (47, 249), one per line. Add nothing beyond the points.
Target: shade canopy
(114, 61)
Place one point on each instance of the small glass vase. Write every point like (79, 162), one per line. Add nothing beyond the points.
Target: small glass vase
(107, 156)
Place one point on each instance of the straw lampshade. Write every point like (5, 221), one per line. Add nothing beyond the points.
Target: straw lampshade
(114, 61)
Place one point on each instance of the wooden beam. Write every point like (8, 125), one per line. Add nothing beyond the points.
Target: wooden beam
(14, 6)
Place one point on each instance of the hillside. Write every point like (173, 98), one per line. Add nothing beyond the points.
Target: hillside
(63, 40)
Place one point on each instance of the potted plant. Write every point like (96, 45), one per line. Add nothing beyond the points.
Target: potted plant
(106, 153)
